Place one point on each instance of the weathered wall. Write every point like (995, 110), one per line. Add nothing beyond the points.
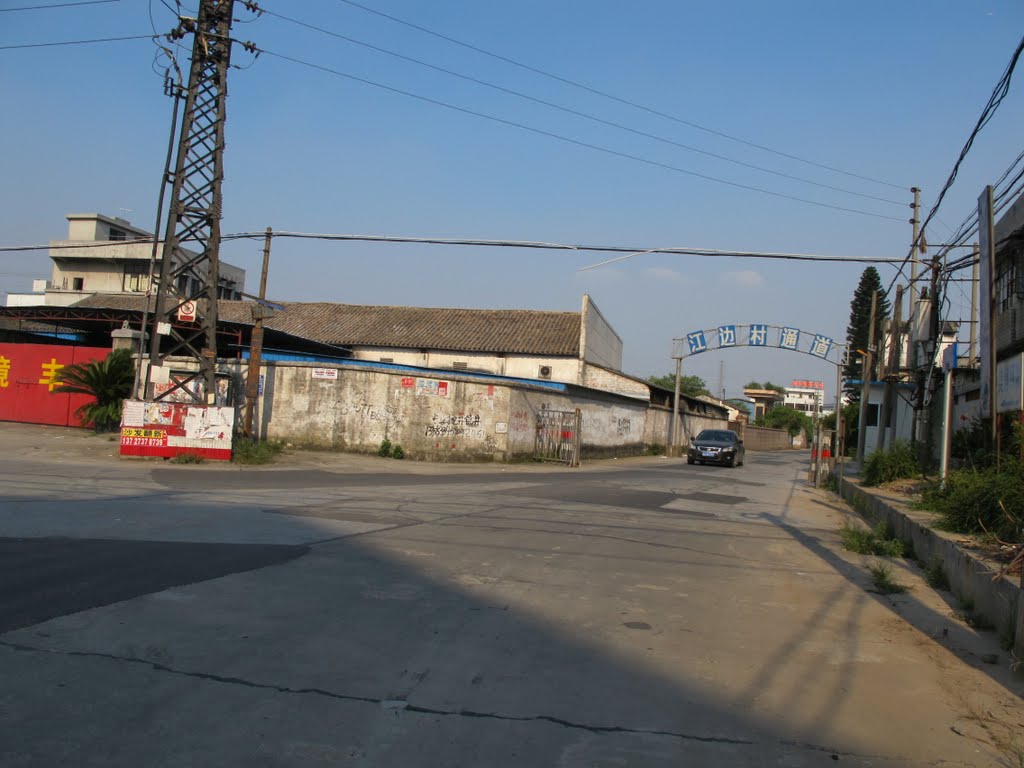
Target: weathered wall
(436, 418)
(596, 377)
(443, 419)
(564, 369)
(763, 439)
(608, 427)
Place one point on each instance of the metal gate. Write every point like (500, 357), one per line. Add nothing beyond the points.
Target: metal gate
(558, 437)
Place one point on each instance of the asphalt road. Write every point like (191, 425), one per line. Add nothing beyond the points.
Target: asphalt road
(363, 612)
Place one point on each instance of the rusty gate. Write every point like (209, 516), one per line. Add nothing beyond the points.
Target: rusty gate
(558, 436)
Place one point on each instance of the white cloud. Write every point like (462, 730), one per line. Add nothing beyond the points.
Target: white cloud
(748, 277)
(666, 274)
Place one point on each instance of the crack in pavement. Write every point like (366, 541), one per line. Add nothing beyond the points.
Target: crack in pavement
(393, 704)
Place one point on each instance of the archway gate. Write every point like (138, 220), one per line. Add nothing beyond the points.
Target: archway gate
(766, 336)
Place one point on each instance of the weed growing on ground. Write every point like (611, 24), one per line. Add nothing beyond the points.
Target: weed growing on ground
(397, 452)
(385, 448)
(880, 541)
(247, 451)
(857, 539)
(936, 576)
(882, 578)
(188, 457)
(896, 463)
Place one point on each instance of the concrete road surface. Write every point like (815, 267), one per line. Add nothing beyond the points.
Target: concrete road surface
(355, 611)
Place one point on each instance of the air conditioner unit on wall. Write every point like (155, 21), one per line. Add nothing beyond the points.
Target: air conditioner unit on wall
(544, 372)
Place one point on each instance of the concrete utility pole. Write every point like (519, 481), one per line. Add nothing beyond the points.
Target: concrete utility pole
(259, 311)
(972, 350)
(914, 293)
(891, 370)
(865, 390)
(675, 409)
(191, 282)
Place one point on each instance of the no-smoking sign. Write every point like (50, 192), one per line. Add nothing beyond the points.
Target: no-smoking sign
(187, 312)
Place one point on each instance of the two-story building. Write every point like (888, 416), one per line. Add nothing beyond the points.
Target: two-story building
(108, 255)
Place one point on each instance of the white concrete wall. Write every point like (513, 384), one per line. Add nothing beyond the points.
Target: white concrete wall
(563, 369)
(599, 344)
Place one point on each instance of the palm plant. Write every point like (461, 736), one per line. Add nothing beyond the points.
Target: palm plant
(108, 381)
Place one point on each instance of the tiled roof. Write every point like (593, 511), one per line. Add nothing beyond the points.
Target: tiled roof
(509, 331)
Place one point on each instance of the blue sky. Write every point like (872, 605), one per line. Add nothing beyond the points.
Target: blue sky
(885, 90)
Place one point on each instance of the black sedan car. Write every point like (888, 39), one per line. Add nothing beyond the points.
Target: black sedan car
(716, 446)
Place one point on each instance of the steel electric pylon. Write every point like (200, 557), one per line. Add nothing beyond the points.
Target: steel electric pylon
(189, 268)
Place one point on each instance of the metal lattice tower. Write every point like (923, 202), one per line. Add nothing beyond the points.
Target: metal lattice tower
(192, 276)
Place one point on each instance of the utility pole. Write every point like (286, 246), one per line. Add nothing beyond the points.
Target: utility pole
(915, 223)
(674, 439)
(972, 350)
(865, 390)
(259, 311)
(190, 281)
(891, 369)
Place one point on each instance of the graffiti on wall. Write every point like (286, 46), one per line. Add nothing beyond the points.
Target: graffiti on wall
(463, 425)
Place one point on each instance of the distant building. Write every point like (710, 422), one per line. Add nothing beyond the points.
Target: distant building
(764, 400)
(108, 255)
(805, 396)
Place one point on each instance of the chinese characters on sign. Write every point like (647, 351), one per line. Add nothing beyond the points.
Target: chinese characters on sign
(804, 384)
(758, 335)
(30, 382)
(5, 371)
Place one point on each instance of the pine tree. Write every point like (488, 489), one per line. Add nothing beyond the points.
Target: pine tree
(857, 331)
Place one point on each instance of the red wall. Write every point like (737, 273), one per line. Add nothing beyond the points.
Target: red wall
(25, 395)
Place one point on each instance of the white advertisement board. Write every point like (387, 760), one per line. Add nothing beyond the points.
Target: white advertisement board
(1010, 384)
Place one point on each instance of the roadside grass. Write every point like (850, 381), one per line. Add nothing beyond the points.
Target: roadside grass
(935, 575)
(882, 578)
(188, 457)
(880, 541)
(246, 451)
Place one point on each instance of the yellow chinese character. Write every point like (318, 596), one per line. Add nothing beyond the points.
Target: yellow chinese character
(50, 373)
(5, 371)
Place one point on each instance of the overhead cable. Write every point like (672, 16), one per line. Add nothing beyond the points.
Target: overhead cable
(620, 100)
(576, 142)
(577, 113)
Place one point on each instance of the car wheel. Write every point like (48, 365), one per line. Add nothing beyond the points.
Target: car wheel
(689, 460)
(732, 461)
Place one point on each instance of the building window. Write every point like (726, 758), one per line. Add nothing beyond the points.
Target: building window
(117, 234)
(872, 419)
(459, 366)
(78, 283)
(387, 360)
(136, 277)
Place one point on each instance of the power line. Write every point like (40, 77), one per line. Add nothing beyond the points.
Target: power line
(620, 100)
(78, 42)
(484, 243)
(569, 110)
(57, 5)
(577, 142)
(998, 94)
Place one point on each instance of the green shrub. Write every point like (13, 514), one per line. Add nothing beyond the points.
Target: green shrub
(896, 463)
(880, 541)
(882, 578)
(246, 451)
(936, 576)
(857, 539)
(970, 501)
(397, 452)
(385, 448)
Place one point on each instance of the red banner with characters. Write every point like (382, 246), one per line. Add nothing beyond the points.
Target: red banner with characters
(28, 378)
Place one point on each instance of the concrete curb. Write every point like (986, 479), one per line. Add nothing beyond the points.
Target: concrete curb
(1000, 602)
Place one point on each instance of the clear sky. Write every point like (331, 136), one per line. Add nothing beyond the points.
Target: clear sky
(881, 89)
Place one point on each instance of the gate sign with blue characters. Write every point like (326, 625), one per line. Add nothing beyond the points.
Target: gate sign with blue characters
(755, 335)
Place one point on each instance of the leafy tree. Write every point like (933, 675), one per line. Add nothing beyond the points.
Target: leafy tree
(693, 386)
(753, 385)
(789, 419)
(858, 330)
(107, 381)
(775, 387)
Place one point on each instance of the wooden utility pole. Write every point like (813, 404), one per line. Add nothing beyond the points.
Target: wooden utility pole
(259, 311)
(865, 390)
